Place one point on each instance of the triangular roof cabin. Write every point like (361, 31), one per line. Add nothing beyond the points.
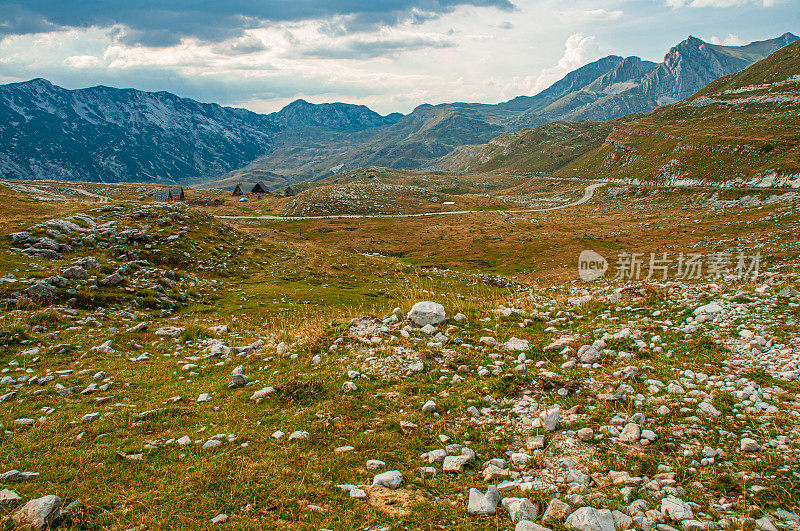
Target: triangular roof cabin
(238, 190)
(161, 196)
(259, 188)
(176, 194)
(170, 194)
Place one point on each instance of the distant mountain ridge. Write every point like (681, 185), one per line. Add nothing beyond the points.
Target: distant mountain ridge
(573, 81)
(336, 116)
(108, 134)
(741, 130)
(606, 89)
(687, 68)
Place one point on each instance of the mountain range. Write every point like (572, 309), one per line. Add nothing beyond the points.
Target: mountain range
(741, 130)
(603, 90)
(108, 135)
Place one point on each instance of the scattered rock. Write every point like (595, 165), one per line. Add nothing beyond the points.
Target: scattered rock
(676, 509)
(375, 464)
(42, 292)
(481, 504)
(749, 445)
(408, 428)
(391, 479)
(426, 312)
(238, 377)
(517, 345)
(38, 514)
(520, 509)
(525, 525)
(631, 433)
(556, 512)
(90, 417)
(590, 519)
(9, 497)
(550, 418)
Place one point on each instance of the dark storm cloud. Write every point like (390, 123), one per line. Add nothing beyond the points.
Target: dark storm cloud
(160, 23)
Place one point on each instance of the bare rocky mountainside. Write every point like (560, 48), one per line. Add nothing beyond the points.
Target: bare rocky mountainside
(106, 134)
(112, 135)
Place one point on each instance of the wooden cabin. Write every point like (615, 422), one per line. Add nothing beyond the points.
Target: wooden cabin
(169, 195)
(259, 189)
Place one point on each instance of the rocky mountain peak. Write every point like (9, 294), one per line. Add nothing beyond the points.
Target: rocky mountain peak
(336, 116)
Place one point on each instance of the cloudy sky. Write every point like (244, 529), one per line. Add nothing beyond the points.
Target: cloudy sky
(391, 55)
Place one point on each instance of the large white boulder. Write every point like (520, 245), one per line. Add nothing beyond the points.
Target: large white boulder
(391, 479)
(590, 519)
(38, 514)
(708, 309)
(481, 504)
(427, 312)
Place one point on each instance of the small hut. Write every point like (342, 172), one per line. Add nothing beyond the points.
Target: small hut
(161, 196)
(237, 191)
(168, 195)
(176, 194)
(288, 192)
(259, 189)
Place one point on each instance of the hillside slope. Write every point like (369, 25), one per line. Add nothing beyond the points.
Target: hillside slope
(741, 130)
(540, 150)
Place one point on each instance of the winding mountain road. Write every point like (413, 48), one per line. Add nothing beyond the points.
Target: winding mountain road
(587, 195)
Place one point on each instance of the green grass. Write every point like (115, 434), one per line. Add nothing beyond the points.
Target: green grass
(271, 285)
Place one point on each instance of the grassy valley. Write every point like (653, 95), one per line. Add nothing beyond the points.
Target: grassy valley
(586, 326)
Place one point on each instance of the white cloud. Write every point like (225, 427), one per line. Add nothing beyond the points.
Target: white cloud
(584, 15)
(721, 3)
(82, 61)
(730, 40)
(478, 54)
(579, 50)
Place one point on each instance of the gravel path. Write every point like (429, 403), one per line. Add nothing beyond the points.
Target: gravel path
(587, 195)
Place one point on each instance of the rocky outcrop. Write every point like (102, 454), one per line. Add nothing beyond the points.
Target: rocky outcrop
(337, 116)
(687, 68)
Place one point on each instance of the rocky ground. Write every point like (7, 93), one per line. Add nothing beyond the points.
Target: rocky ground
(143, 388)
